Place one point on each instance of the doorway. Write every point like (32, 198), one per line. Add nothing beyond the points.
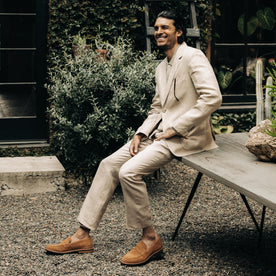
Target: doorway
(23, 30)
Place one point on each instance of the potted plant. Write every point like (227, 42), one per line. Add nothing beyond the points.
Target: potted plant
(80, 45)
(101, 46)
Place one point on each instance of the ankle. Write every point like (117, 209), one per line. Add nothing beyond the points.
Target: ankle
(81, 233)
(149, 237)
(149, 233)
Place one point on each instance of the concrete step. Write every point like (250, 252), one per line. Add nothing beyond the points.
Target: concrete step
(28, 175)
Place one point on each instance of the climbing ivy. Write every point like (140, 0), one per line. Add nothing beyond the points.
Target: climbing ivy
(114, 18)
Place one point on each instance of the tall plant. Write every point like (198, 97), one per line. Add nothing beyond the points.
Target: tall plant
(97, 104)
(272, 127)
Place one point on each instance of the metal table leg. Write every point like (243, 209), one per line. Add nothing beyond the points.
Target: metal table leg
(258, 227)
(198, 178)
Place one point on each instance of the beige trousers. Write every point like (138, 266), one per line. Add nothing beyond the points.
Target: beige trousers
(120, 167)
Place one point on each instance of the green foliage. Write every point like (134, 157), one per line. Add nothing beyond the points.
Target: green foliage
(97, 104)
(264, 19)
(114, 18)
(224, 76)
(217, 127)
(252, 25)
(272, 73)
(29, 151)
(272, 127)
(79, 40)
(111, 18)
(241, 122)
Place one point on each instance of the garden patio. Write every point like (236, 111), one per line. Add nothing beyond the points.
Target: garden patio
(81, 108)
(216, 238)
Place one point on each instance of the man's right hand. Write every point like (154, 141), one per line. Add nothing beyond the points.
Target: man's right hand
(134, 145)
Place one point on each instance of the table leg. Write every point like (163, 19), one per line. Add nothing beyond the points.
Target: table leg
(258, 227)
(192, 193)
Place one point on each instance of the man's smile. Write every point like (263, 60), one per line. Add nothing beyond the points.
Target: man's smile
(161, 38)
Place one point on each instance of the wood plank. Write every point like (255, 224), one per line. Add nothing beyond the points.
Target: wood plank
(233, 165)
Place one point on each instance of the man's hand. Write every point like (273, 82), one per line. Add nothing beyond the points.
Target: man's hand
(134, 145)
(167, 134)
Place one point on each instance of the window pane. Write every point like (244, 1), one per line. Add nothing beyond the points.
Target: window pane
(226, 22)
(17, 66)
(17, 6)
(17, 31)
(229, 69)
(235, 65)
(261, 21)
(262, 12)
(17, 101)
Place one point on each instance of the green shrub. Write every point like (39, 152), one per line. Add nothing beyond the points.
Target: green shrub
(114, 18)
(241, 122)
(218, 128)
(97, 104)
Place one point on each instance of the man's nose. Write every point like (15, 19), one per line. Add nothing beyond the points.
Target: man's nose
(157, 31)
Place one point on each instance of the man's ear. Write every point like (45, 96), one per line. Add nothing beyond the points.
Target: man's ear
(179, 32)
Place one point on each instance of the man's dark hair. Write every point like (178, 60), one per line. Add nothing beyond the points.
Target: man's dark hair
(169, 14)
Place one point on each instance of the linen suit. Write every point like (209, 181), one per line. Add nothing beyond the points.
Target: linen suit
(184, 100)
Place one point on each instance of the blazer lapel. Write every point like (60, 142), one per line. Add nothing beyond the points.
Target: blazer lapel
(174, 69)
(162, 82)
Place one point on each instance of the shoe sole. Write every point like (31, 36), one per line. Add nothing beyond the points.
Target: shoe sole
(72, 251)
(157, 255)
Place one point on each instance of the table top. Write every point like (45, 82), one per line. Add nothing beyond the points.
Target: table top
(233, 165)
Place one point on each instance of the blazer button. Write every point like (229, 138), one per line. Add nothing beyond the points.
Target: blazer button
(164, 110)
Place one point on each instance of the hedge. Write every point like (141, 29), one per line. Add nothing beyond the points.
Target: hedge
(114, 18)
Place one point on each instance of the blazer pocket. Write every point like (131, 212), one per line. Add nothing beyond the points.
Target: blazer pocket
(174, 90)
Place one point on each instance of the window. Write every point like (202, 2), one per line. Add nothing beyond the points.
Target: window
(243, 32)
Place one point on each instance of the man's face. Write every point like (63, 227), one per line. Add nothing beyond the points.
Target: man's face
(165, 33)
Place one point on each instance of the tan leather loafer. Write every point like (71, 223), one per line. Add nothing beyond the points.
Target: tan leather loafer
(141, 255)
(66, 246)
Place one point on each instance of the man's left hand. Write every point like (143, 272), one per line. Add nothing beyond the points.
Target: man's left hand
(168, 133)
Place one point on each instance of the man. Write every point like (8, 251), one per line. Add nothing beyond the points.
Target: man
(177, 124)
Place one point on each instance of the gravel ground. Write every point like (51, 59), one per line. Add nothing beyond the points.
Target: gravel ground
(217, 236)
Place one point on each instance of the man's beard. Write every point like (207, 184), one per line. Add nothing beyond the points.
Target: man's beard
(163, 47)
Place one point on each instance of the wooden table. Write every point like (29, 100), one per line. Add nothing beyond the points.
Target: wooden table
(234, 166)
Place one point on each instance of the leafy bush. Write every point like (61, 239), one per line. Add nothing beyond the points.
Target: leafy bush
(217, 127)
(241, 122)
(114, 18)
(97, 104)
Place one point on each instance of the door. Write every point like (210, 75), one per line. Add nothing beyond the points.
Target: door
(23, 29)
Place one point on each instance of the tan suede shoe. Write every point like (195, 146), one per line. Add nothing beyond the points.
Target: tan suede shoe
(140, 254)
(66, 246)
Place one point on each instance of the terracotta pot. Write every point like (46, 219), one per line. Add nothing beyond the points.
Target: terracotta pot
(77, 50)
(102, 53)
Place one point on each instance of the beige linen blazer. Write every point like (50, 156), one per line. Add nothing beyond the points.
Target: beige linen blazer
(185, 102)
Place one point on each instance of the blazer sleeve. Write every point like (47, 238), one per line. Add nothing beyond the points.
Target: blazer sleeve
(154, 115)
(208, 92)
